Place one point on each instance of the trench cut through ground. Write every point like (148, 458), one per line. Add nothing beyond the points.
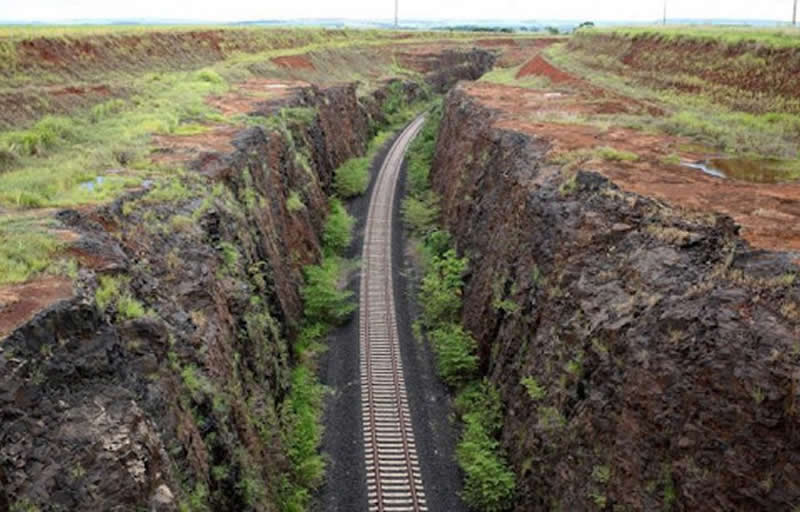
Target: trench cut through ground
(394, 479)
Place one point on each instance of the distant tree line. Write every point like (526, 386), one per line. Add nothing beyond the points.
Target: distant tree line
(508, 30)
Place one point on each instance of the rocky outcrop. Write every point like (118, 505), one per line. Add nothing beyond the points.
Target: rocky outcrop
(647, 357)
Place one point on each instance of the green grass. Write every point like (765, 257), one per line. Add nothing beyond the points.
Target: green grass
(26, 249)
(616, 155)
(699, 117)
(58, 155)
(776, 37)
(114, 292)
(352, 177)
(508, 76)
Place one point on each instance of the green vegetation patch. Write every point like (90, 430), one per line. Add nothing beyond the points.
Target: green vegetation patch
(326, 304)
(26, 249)
(776, 38)
(508, 76)
(352, 177)
(489, 483)
(338, 228)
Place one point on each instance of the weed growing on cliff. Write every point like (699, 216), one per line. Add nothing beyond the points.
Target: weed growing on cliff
(535, 391)
(23, 505)
(294, 203)
(112, 291)
(352, 177)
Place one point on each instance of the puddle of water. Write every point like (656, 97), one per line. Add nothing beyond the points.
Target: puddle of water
(700, 166)
(95, 183)
(766, 170)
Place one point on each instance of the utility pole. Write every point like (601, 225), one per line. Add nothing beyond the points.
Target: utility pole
(665, 12)
(794, 14)
(397, 12)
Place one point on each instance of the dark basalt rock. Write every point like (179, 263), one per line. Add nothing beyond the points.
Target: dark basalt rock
(668, 348)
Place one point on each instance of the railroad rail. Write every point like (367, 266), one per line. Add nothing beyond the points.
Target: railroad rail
(394, 480)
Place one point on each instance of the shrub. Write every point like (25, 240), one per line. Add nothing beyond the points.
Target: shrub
(46, 134)
(338, 228)
(352, 178)
(440, 290)
(210, 76)
(455, 354)
(488, 483)
(420, 213)
(304, 432)
(324, 301)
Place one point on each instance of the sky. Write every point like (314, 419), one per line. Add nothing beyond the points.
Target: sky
(233, 10)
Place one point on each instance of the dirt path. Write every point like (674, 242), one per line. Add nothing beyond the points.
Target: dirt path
(393, 435)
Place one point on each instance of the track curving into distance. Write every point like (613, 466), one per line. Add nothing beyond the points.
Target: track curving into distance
(394, 480)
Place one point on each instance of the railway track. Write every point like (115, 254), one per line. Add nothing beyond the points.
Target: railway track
(394, 480)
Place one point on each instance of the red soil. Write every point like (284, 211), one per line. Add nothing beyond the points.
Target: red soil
(19, 303)
(539, 66)
(768, 214)
(294, 62)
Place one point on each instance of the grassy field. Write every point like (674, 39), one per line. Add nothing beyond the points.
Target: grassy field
(716, 116)
(788, 37)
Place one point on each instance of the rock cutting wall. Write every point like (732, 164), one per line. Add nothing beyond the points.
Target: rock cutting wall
(647, 357)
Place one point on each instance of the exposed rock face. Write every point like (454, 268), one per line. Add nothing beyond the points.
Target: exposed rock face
(104, 410)
(665, 349)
